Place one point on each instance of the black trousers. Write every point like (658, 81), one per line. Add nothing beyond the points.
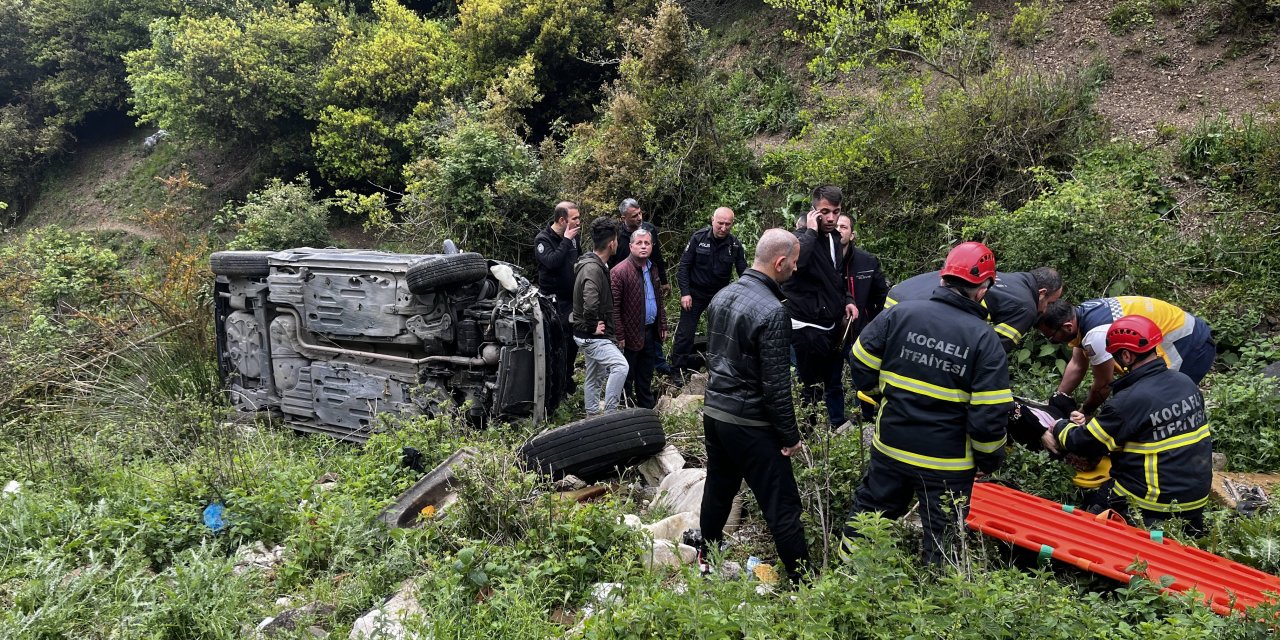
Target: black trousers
(682, 351)
(888, 486)
(820, 367)
(736, 453)
(564, 308)
(639, 385)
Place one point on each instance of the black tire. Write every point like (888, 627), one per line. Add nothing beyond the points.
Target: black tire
(240, 263)
(435, 272)
(591, 449)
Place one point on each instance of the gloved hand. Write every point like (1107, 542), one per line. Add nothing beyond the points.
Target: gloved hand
(1062, 403)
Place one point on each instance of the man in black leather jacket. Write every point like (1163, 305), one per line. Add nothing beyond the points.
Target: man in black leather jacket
(748, 417)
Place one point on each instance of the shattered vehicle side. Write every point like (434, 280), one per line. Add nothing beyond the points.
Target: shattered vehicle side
(332, 337)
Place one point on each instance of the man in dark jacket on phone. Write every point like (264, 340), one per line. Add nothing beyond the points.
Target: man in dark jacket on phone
(819, 302)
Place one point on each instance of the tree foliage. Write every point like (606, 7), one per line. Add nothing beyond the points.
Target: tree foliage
(248, 78)
(571, 43)
(381, 75)
(660, 138)
(60, 62)
(944, 35)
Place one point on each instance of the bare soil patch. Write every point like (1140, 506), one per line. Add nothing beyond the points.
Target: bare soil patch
(1159, 73)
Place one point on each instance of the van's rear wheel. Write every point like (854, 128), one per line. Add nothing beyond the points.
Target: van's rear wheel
(447, 270)
(240, 263)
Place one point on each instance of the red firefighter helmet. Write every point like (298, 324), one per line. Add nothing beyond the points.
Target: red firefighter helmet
(972, 262)
(1135, 333)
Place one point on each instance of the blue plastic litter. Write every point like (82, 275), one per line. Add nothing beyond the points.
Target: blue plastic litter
(213, 517)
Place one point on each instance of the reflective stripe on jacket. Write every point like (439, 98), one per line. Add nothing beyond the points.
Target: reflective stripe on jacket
(1011, 304)
(944, 381)
(1155, 428)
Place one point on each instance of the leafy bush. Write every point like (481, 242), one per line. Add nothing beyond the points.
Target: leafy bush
(1254, 541)
(1128, 16)
(1105, 229)
(51, 266)
(1244, 410)
(1031, 23)
(911, 169)
(475, 182)
(1244, 157)
(280, 216)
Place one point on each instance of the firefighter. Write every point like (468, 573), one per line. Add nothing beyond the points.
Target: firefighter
(944, 382)
(1188, 345)
(1154, 427)
(1013, 304)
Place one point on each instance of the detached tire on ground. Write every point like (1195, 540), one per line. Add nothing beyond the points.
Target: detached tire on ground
(240, 263)
(593, 448)
(446, 270)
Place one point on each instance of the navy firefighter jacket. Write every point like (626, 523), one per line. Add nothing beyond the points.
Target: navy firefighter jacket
(944, 382)
(1156, 430)
(1011, 303)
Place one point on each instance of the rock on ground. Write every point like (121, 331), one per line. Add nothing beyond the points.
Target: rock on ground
(388, 621)
(682, 492)
(667, 461)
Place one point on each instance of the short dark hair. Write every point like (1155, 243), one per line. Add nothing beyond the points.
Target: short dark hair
(1058, 313)
(828, 192)
(603, 231)
(965, 287)
(1046, 278)
(562, 211)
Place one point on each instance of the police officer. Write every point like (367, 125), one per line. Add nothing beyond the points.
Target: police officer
(556, 250)
(1155, 429)
(1013, 303)
(945, 399)
(709, 260)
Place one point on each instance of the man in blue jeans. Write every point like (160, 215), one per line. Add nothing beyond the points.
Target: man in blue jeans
(593, 329)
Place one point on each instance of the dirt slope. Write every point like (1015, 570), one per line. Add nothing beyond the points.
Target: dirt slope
(1160, 74)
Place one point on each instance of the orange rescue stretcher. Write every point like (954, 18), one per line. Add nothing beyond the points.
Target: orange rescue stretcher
(1108, 546)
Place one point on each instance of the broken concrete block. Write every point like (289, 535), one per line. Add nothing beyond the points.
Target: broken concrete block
(730, 570)
(257, 557)
(1219, 461)
(682, 491)
(569, 483)
(684, 403)
(673, 527)
(696, 386)
(667, 461)
(388, 622)
(665, 553)
(290, 619)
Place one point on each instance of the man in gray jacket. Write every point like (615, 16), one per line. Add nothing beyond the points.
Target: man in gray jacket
(592, 318)
(748, 417)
